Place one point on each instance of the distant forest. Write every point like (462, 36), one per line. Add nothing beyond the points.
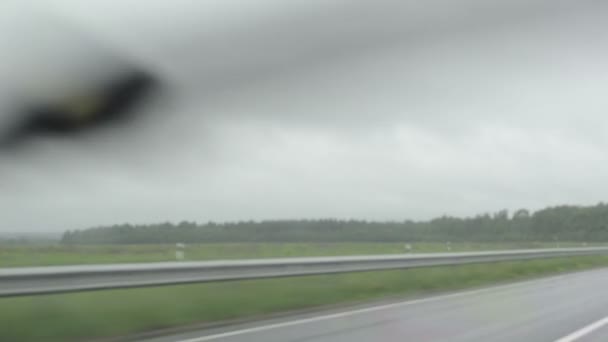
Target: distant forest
(563, 223)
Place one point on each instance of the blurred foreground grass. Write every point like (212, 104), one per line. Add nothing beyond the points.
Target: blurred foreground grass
(71, 317)
(14, 256)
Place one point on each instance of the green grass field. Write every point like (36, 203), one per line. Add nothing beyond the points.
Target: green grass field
(82, 316)
(11, 256)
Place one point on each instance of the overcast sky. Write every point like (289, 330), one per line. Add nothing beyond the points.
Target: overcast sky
(273, 109)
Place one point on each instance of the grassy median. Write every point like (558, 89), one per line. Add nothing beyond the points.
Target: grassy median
(82, 316)
(16, 256)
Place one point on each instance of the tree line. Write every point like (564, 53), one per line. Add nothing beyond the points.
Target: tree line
(563, 223)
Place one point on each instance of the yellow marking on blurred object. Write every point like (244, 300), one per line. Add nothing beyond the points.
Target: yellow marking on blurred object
(83, 108)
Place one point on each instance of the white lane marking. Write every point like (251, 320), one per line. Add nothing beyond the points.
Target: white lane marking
(584, 331)
(370, 309)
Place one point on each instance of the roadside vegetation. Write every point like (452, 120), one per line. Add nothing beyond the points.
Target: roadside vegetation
(58, 254)
(561, 223)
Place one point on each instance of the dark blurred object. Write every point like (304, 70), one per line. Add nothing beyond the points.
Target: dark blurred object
(110, 102)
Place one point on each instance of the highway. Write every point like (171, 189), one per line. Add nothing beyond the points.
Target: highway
(566, 308)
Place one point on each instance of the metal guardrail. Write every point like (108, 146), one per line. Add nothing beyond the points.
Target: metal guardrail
(57, 279)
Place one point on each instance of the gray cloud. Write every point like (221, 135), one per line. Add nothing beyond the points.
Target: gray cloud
(344, 109)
